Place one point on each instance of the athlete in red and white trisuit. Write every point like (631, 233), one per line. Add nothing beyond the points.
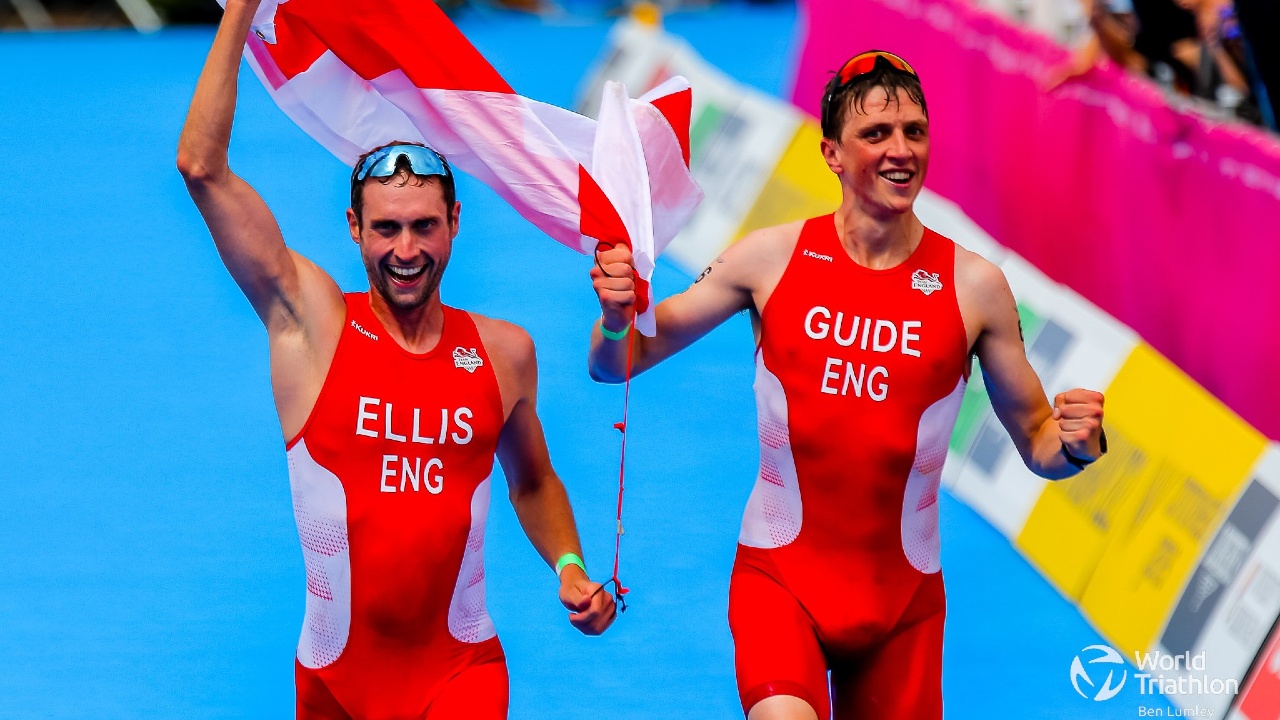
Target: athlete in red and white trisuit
(865, 322)
(393, 407)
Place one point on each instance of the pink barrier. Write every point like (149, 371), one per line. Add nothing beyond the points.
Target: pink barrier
(1169, 222)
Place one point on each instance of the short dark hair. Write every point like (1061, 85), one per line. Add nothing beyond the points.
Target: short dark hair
(838, 98)
(402, 168)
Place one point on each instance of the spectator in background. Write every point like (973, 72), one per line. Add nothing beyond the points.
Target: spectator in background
(1215, 56)
(1259, 20)
(1192, 47)
(1115, 32)
(1165, 44)
(1153, 37)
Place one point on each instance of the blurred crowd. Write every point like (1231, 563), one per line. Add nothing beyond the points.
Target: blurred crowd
(1212, 55)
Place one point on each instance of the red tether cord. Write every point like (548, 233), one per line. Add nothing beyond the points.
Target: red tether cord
(622, 460)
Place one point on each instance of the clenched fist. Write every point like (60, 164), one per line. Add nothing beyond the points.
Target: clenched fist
(613, 278)
(1079, 416)
(592, 610)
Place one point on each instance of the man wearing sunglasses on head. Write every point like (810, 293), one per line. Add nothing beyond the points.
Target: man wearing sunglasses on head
(865, 323)
(393, 407)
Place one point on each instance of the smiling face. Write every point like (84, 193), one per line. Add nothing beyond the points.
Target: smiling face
(405, 237)
(882, 153)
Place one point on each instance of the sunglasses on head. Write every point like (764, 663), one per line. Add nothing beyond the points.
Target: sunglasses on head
(422, 161)
(857, 66)
(860, 65)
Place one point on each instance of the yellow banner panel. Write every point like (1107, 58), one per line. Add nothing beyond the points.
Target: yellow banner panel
(1199, 457)
(1067, 530)
(1122, 536)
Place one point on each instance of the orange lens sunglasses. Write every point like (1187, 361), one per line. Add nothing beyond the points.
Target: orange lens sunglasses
(860, 65)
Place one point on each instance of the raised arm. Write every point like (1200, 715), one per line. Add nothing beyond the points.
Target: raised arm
(243, 228)
(537, 494)
(727, 286)
(1047, 437)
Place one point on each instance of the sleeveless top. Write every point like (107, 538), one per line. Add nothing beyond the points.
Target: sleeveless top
(859, 377)
(390, 481)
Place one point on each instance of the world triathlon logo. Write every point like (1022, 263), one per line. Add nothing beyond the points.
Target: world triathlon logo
(1098, 659)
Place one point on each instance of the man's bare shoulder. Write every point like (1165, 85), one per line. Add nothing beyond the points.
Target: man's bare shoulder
(770, 243)
(758, 258)
(983, 293)
(978, 275)
(515, 364)
(504, 341)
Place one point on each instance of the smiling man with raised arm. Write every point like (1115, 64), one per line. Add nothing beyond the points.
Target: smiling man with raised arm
(393, 407)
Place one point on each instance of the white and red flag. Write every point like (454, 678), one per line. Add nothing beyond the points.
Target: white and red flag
(357, 75)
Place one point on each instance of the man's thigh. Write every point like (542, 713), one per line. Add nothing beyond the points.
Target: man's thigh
(902, 676)
(479, 692)
(776, 650)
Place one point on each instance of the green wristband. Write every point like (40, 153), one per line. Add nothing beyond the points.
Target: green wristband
(569, 559)
(620, 335)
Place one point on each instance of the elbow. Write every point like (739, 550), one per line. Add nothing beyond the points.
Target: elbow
(517, 492)
(193, 172)
(515, 495)
(599, 375)
(197, 171)
(530, 486)
(594, 372)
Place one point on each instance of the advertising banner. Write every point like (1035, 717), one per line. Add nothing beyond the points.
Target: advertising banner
(1230, 602)
(1122, 537)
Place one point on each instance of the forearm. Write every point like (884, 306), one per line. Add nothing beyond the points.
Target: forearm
(202, 147)
(607, 358)
(542, 505)
(680, 319)
(547, 518)
(1045, 457)
(680, 322)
